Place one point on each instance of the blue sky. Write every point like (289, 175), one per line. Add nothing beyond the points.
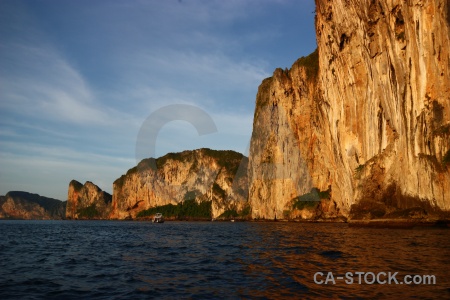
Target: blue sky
(79, 78)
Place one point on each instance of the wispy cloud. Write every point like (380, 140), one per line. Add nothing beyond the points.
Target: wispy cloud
(46, 86)
(78, 80)
(193, 77)
(55, 166)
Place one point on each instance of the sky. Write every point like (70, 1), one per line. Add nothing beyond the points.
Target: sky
(81, 81)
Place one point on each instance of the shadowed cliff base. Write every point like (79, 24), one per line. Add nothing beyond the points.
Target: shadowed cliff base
(191, 210)
(391, 204)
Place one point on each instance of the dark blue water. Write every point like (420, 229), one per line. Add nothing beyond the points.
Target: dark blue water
(132, 260)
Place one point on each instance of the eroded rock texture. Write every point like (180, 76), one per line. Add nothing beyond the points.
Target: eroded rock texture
(87, 201)
(203, 175)
(367, 119)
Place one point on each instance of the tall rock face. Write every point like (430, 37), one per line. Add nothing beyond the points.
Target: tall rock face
(203, 174)
(87, 201)
(288, 155)
(368, 121)
(24, 205)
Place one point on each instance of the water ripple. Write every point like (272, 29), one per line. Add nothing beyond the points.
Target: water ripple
(103, 260)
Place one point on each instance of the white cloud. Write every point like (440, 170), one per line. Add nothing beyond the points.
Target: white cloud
(176, 76)
(62, 118)
(48, 170)
(46, 86)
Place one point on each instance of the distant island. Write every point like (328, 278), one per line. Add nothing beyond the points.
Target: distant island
(24, 205)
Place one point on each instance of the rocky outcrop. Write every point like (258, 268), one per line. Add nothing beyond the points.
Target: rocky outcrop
(363, 124)
(23, 205)
(203, 175)
(87, 201)
(287, 151)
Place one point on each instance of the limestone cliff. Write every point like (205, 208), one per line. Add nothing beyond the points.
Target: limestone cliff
(365, 120)
(87, 201)
(203, 174)
(23, 205)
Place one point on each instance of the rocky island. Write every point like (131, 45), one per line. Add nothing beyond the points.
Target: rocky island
(87, 201)
(218, 179)
(23, 205)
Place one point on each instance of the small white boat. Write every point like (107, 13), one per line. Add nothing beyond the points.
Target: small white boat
(158, 218)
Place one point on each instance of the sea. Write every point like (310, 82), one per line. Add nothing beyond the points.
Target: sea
(220, 260)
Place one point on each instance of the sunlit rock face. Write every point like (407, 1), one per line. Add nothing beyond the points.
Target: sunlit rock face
(288, 155)
(203, 175)
(368, 119)
(87, 201)
(27, 206)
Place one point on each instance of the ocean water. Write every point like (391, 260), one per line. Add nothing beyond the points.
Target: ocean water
(204, 260)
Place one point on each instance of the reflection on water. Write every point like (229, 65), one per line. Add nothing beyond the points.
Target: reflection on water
(54, 259)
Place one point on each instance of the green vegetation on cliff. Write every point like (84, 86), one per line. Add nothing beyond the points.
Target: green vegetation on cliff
(181, 157)
(189, 209)
(232, 214)
(310, 200)
(225, 158)
(310, 63)
(89, 212)
(229, 214)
